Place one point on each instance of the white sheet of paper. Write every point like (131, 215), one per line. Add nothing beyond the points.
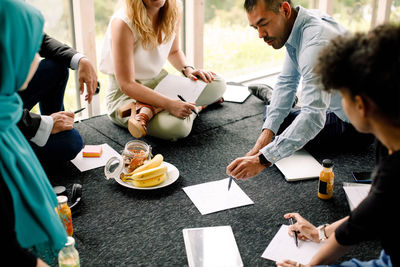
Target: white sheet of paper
(299, 166)
(282, 247)
(236, 93)
(211, 247)
(356, 193)
(85, 164)
(173, 85)
(214, 196)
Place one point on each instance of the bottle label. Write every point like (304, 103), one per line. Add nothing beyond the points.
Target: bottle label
(323, 187)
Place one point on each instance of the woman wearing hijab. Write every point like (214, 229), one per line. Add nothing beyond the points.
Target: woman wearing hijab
(141, 37)
(32, 233)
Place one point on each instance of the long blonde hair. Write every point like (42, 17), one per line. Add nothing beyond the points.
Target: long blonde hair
(166, 22)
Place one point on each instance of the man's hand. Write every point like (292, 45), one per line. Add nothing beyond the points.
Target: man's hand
(245, 167)
(62, 121)
(87, 75)
(263, 140)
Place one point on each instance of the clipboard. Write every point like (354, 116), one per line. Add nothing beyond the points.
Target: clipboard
(236, 92)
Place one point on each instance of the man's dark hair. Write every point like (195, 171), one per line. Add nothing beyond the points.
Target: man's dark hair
(272, 5)
(366, 64)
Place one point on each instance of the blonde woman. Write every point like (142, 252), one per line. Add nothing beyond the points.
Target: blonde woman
(141, 37)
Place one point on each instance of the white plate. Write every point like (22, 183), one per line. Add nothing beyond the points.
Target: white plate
(172, 176)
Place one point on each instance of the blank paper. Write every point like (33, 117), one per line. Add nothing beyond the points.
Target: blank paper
(283, 247)
(214, 196)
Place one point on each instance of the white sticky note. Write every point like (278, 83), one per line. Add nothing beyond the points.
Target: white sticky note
(214, 196)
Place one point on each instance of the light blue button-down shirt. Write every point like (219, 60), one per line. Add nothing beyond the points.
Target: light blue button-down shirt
(311, 31)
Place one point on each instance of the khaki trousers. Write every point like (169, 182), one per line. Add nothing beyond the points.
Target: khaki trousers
(163, 125)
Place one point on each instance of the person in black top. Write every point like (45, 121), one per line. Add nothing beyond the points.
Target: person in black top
(365, 69)
(51, 134)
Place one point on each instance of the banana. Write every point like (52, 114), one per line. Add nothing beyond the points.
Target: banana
(150, 173)
(154, 162)
(150, 182)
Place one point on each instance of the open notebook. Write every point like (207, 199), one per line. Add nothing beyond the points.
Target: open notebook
(299, 166)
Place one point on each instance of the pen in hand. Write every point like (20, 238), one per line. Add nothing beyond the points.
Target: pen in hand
(78, 110)
(295, 233)
(181, 98)
(230, 182)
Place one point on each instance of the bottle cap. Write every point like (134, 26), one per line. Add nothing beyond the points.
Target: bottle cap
(327, 163)
(70, 241)
(62, 199)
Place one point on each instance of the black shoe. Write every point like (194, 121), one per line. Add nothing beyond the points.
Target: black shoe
(264, 93)
(261, 91)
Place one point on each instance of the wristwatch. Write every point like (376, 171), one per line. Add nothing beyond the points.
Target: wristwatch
(184, 68)
(321, 232)
(263, 160)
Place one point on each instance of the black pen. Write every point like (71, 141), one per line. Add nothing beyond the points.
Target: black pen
(181, 98)
(78, 110)
(295, 233)
(230, 182)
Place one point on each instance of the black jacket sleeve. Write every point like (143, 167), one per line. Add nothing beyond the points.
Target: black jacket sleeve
(53, 49)
(29, 124)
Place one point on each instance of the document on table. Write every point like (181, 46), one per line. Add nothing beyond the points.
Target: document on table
(282, 247)
(84, 164)
(299, 166)
(214, 196)
(236, 93)
(355, 193)
(211, 247)
(173, 85)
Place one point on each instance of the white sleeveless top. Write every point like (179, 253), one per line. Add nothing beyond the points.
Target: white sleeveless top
(148, 63)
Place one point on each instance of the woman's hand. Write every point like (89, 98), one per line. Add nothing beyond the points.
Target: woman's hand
(305, 230)
(195, 74)
(289, 263)
(180, 109)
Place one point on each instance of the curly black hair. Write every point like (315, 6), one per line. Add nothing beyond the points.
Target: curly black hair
(272, 5)
(365, 64)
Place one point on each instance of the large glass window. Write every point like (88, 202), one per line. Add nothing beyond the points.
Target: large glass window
(354, 15)
(395, 11)
(231, 47)
(57, 15)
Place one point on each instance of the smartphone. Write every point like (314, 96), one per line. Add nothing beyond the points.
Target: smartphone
(362, 177)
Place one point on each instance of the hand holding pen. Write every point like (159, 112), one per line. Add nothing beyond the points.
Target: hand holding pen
(182, 99)
(296, 241)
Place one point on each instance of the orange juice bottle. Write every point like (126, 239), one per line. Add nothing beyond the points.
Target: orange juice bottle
(326, 179)
(64, 212)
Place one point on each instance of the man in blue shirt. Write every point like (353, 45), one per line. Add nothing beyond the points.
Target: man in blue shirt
(321, 118)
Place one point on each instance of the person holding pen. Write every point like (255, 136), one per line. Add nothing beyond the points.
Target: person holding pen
(320, 122)
(364, 68)
(141, 37)
(51, 134)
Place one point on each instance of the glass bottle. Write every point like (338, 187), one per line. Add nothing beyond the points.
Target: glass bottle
(326, 179)
(69, 256)
(64, 212)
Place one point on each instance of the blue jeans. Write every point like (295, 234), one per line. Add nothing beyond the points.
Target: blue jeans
(47, 88)
(382, 261)
(336, 135)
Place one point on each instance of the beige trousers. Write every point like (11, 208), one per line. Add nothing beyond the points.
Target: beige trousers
(163, 125)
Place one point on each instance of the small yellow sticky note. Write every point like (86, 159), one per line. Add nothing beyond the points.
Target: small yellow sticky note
(92, 151)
